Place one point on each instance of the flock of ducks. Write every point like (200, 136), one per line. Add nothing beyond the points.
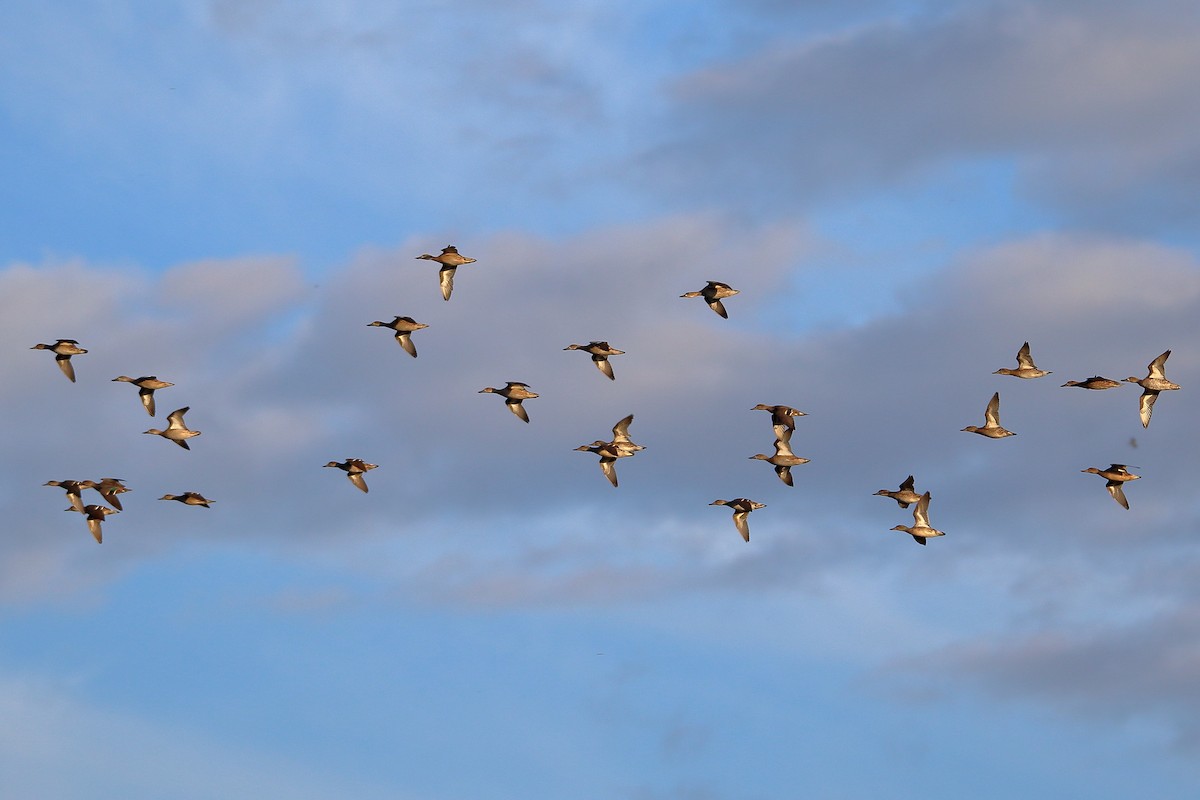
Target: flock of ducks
(783, 420)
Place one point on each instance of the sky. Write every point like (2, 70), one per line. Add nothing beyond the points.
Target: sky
(225, 193)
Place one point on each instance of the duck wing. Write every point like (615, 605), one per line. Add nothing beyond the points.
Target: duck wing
(1118, 494)
(992, 415)
(64, 363)
(446, 279)
(405, 341)
(1157, 365)
(1146, 406)
(602, 364)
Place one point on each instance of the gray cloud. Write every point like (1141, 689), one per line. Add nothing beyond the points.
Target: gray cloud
(1092, 101)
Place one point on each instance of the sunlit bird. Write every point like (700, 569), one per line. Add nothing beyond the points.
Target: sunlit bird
(146, 388)
(63, 349)
(1154, 382)
(403, 328)
(74, 490)
(991, 421)
(177, 431)
(189, 499)
(109, 488)
(741, 510)
(905, 495)
(783, 460)
(783, 419)
(514, 392)
(1095, 382)
(450, 261)
(1115, 475)
(600, 352)
(354, 469)
(95, 515)
(920, 530)
(1025, 366)
(713, 294)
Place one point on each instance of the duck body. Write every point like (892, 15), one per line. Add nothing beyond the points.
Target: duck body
(109, 488)
(189, 499)
(1025, 367)
(609, 454)
(713, 293)
(1096, 382)
(783, 460)
(1154, 382)
(621, 446)
(991, 419)
(920, 530)
(514, 393)
(354, 469)
(95, 515)
(783, 418)
(600, 352)
(177, 430)
(450, 260)
(741, 511)
(74, 490)
(1114, 476)
(403, 328)
(147, 385)
(63, 349)
(905, 495)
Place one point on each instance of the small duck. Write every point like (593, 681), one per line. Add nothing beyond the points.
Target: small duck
(1025, 366)
(63, 349)
(354, 468)
(189, 499)
(74, 490)
(905, 496)
(741, 510)
(109, 488)
(600, 352)
(713, 293)
(609, 453)
(784, 459)
(177, 431)
(783, 419)
(991, 427)
(920, 530)
(1095, 382)
(1154, 382)
(513, 393)
(450, 261)
(1116, 475)
(403, 327)
(621, 439)
(95, 515)
(146, 388)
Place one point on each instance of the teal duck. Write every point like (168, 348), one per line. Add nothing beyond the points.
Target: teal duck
(63, 349)
(450, 261)
(403, 327)
(1025, 366)
(713, 293)
(1154, 382)
(513, 392)
(600, 352)
(991, 427)
(177, 431)
(905, 495)
(920, 530)
(741, 510)
(1115, 475)
(146, 388)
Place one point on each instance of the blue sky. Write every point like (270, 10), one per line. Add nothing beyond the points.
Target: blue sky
(225, 193)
